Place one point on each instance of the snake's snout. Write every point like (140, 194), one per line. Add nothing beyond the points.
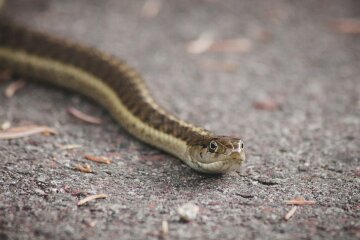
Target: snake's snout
(238, 157)
(235, 155)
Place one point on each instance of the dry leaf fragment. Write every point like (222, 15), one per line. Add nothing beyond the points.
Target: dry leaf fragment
(151, 8)
(290, 213)
(300, 202)
(201, 44)
(90, 198)
(14, 87)
(238, 45)
(20, 132)
(97, 159)
(83, 116)
(86, 168)
(346, 25)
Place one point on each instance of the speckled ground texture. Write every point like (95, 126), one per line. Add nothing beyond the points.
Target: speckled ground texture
(308, 148)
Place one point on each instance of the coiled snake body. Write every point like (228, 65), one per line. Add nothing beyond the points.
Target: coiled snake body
(121, 90)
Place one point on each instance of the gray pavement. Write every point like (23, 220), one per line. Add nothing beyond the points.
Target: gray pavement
(307, 146)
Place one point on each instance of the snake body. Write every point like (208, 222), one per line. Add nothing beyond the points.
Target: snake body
(121, 90)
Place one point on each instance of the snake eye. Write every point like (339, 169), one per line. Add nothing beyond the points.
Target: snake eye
(212, 147)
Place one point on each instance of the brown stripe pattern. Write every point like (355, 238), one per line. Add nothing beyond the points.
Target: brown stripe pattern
(124, 80)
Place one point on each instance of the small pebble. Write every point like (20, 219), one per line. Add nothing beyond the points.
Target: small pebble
(188, 212)
(6, 125)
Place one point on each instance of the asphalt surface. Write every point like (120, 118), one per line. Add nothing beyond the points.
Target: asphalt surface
(290, 90)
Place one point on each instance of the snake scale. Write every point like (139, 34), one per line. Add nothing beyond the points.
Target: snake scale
(118, 88)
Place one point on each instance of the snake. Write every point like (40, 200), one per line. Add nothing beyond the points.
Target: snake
(121, 90)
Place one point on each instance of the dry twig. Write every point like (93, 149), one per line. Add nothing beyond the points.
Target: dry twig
(97, 159)
(83, 116)
(86, 168)
(14, 87)
(290, 213)
(90, 198)
(70, 146)
(20, 132)
(299, 201)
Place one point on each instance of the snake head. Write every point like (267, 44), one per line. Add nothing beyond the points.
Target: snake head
(217, 154)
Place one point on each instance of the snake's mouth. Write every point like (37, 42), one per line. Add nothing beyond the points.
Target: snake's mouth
(234, 162)
(214, 167)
